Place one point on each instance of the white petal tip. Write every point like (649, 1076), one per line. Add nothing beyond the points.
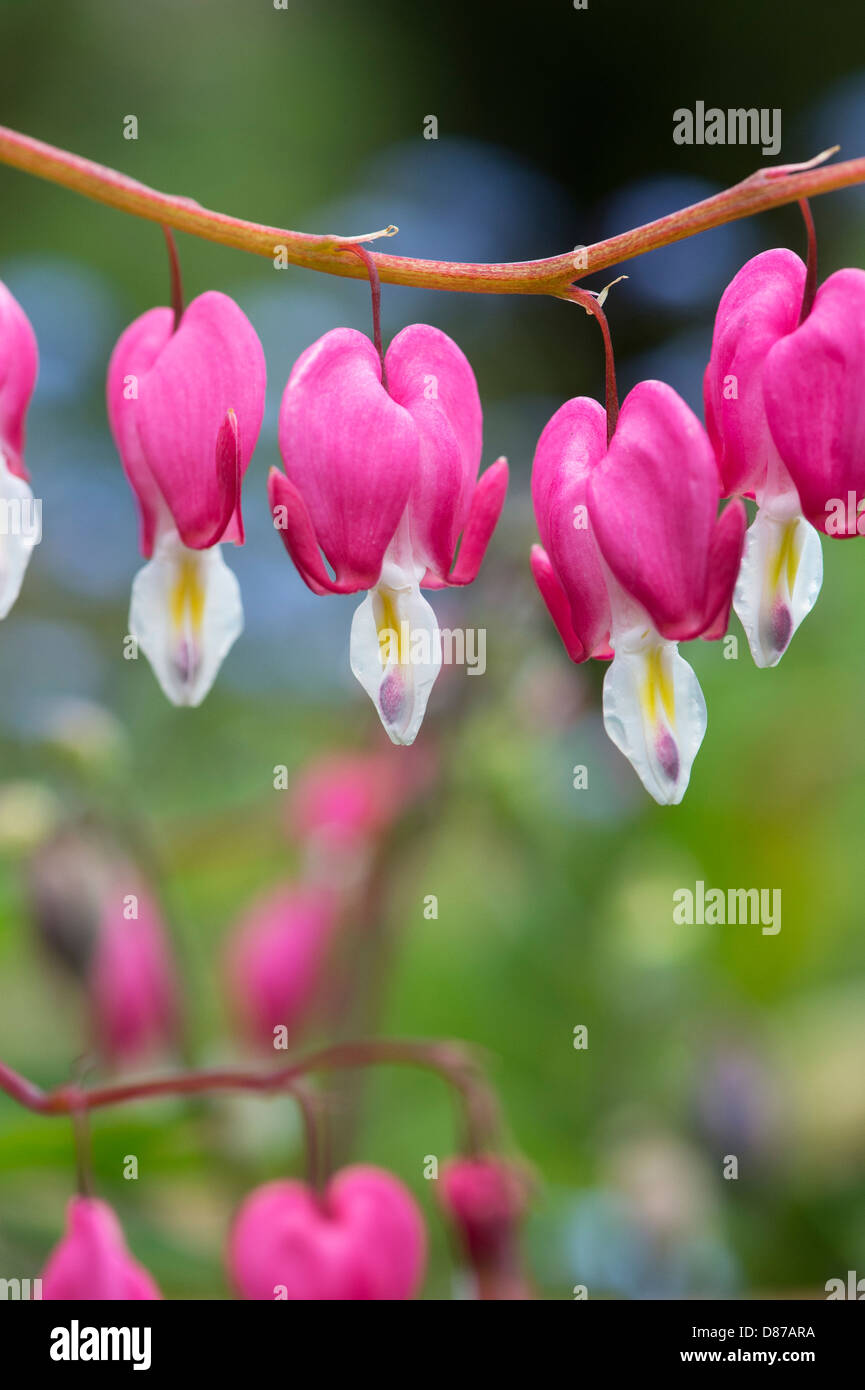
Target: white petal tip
(779, 583)
(185, 614)
(395, 653)
(655, 714)
(20, 532)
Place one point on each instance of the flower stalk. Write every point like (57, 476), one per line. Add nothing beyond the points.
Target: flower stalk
(765, 189)
(452, 1061)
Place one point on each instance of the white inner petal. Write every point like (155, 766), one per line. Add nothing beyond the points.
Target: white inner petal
(778, 584)
(20, 531)
(396, 652)
(186, 614)
(654, 712)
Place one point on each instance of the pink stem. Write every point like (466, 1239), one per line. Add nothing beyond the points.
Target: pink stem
(452, 1061)
(811, 275)
(375, 290)
(176, 278)
(591, 305)
(767, 188)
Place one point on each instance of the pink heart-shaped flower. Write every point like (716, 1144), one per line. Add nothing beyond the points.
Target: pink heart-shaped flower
(364, 1238)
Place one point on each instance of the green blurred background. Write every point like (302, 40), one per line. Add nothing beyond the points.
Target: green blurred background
(555, 905)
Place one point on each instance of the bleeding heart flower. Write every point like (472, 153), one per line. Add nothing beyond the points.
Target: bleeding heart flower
(486, 1199)
(343, 803)
(275, 960)
(383, 481)
(92, 1262)
(185, 407)
(21, 517)
(133, 986)
(755, 346)
(363, 1239)
(637, 560)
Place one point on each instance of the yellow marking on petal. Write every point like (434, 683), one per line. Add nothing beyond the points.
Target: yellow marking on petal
(389, 628)
(657, 686)
(187, 596)
(786, 557)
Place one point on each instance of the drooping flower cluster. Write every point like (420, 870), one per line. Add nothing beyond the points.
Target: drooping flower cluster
(635, 556)
(359, 1236)
(380, 493)
(380, 481)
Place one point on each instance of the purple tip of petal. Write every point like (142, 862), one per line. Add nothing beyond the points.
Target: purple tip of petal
(391, 697)
(668, 756)
(187, 659)
(779, 627)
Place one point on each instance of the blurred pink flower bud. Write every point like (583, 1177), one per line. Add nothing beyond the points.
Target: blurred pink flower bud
(275, 961)
(133, 985)
(92, 1261)
(364, 1239)
(343, 802)
(486, 1198)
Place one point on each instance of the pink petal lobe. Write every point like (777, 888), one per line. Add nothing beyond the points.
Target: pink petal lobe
(431, 377)
(350, 451)
(814, 389)
(653, 504)
(569, 451)
(556, 599)
(92, 1262)
(134, 354)
(364, 1240)
(292, 520)
(759, 307)
(211, 365)
(275, 960)
(19, 365)
(485, 509)
(133, 984)
(725, 556)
